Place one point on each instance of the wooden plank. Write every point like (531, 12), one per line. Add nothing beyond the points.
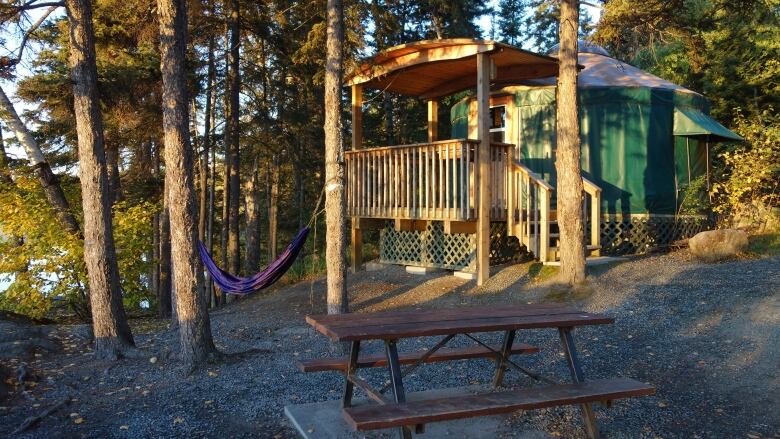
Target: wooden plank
(371, 417)
(380, 360)
(357, 117)
(451, 227)
(393, 327)
(483, 171)
(433, 120)
(502, 310)
(357, 248)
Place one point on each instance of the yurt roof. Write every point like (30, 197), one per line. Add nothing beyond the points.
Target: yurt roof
(601, 70)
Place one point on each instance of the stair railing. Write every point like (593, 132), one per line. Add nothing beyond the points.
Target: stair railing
(592, 200)
(528, 209)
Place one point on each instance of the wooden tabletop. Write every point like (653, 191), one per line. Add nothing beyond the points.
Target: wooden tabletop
(403, 324)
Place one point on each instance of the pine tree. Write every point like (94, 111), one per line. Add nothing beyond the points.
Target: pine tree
(191, 303)
(112, 333)
(511, 21)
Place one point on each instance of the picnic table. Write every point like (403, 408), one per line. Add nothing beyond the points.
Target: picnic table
(390, 327)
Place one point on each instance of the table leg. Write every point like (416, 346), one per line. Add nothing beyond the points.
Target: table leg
(591, 428)
(394, 367)
(346, 399)
(506, 349)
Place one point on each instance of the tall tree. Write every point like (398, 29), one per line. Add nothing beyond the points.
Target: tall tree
(112, 333)
(233, 133)
(335, 202)
(511, 21)
(191, 301)
(49, 181)
(567, 158)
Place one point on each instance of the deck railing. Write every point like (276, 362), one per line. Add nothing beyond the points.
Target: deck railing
(426, 181)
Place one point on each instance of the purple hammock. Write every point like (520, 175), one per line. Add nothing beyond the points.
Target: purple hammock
(242, 286)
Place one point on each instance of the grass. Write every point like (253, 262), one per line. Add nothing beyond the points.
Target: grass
(765, 244)
(539, 272)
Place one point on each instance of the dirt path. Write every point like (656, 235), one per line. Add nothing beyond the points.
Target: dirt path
(708, 336)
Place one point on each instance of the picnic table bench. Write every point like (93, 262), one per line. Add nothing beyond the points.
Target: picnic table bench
(390, 327)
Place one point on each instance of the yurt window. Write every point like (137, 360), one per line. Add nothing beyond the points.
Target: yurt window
(497, 123)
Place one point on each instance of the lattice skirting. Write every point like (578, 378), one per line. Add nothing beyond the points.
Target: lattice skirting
(434, 248)
(640, 233)
(619, 236)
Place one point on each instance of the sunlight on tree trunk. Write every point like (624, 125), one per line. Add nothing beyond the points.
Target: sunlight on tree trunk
(335, 203)
(191, 301)
(112, 333)
(567, 159)
(252, 212)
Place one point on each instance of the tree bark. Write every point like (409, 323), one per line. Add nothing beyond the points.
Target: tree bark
(567, 160)
(50, 183)
(191, 302)
(164, 293)
(335, 204)
(252, 212)
(204, 157)
(232, 140)
(273, 206)
(112, 333)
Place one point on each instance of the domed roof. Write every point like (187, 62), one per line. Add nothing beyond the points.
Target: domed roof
(601, 70)
(583, 47)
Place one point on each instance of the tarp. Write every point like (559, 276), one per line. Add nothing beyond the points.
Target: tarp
(692, 122)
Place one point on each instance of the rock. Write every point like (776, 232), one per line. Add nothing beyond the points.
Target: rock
(153, 360)
(716, 245)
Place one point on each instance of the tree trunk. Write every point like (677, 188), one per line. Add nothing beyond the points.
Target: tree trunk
(204, 157)
(232, 141)
(210, 233)
(112, 167)
(273, 206)
(567, 160)
(164, 303)
(50, 183)
(252, 211)
(154, 270)
(191, 302)
(335, 204)
(112, 333)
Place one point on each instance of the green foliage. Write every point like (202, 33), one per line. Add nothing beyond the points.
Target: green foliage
(44, 263)
(133, 239)
(42, 260)
(767, 244)
(695, 200)
(746, 185)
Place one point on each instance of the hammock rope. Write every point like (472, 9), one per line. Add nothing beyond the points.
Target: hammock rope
(242, 286)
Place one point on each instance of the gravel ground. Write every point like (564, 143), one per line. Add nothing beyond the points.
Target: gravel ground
(706, 335)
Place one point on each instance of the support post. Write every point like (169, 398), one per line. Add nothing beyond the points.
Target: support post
(483, 172)
(506, 349)
(346, 399)
(544, 226)
(394, 367)
(357, 245)
(577, 377)
(433, 120)
(595, 222)
(357, 117)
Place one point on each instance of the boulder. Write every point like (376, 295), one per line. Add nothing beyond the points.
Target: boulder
(717, 245)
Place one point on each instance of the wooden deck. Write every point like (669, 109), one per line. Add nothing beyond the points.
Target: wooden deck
(425, 181)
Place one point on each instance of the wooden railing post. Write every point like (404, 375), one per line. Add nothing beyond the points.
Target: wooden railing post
(483, 171)
(544, 226)
(357, 117)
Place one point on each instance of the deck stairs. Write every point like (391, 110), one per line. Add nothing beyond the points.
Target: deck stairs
(534, 221)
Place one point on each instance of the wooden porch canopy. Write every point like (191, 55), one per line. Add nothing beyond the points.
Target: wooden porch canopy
(435, 68)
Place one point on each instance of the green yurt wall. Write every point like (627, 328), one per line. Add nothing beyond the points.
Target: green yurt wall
(628, 147)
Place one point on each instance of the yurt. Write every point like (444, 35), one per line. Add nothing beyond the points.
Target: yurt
(644, 141)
